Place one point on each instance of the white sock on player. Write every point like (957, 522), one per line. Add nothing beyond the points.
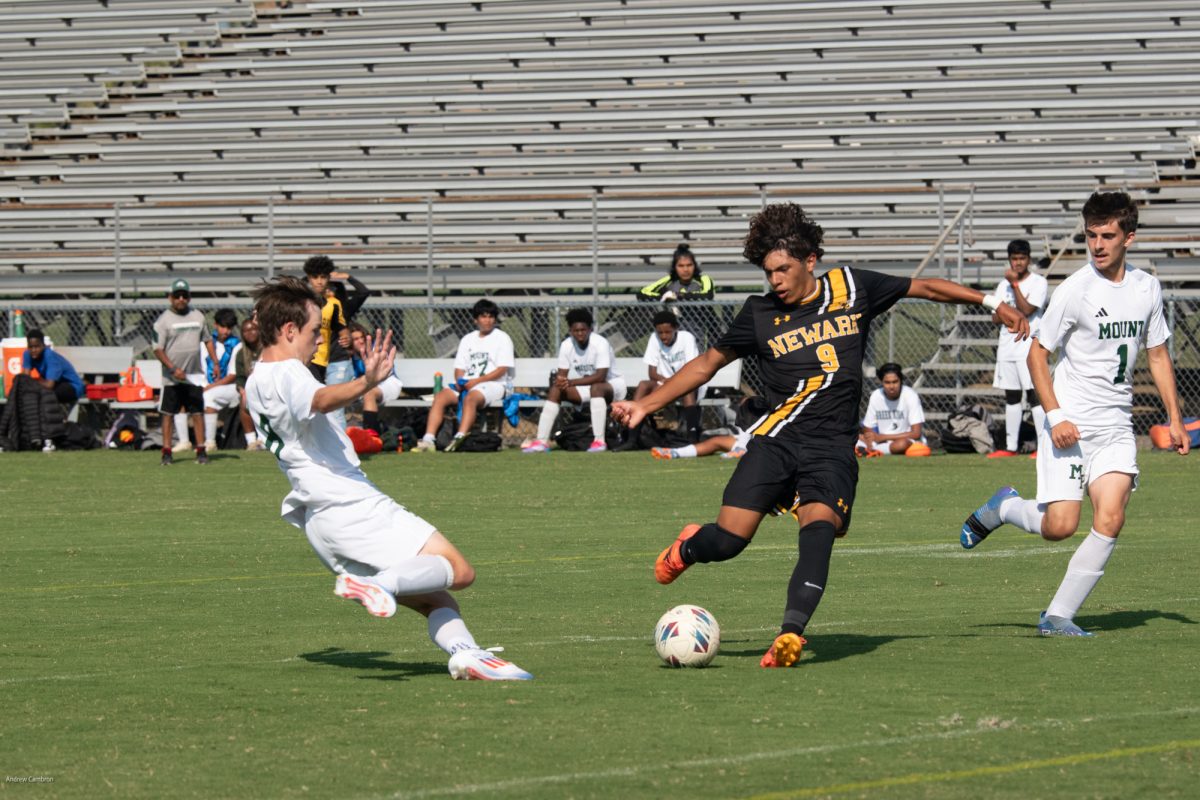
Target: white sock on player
(1025, 514)
(250, 437)
(417, 575)
(687, 451)
(181, 428)
(1083, 573)
(1039, 418)
(449, 632)
(599, 417)
(546, 421)
(210, 426)
(1012, 427)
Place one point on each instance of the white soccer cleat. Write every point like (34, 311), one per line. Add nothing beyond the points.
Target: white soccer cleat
(424, 446)
(182, 447)
(210, 445)
(374, 598)
(1060, 626)
(484, 665)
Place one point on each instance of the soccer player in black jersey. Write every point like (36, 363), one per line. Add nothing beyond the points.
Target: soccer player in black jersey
(808, 334)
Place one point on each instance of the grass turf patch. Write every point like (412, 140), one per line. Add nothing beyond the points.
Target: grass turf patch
(166, 635)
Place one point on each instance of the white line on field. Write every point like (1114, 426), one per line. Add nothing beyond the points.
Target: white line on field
(767, 755)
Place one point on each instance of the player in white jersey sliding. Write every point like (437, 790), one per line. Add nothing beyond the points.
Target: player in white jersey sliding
(381, 552)
(1099, 317)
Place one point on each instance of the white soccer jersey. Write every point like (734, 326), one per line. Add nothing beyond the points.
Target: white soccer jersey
(1036, 291)
(894, 416)
(582, 362)
(668, 360)
(479, 355)
(1100, 327)
(316, 455)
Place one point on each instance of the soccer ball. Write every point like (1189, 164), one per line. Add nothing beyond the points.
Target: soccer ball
(687, 636)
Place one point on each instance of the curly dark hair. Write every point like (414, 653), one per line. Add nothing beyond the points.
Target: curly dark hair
(318, 265)
(782, 226)
(1102, 207)
(580, 315)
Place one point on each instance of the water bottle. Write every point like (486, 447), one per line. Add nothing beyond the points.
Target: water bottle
(437, 382)
(18, 323)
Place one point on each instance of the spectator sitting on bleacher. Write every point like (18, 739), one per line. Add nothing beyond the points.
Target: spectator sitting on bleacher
(668, 349)
(384, 393)
(684, 282)
(178, 332)
(243, 364)
(51, 370)
(483, 371)
(587, 373)
(220, 387)
(894, 420)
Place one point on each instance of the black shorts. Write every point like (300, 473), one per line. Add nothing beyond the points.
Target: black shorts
(775, 477)
(178, 397)
(64, 392)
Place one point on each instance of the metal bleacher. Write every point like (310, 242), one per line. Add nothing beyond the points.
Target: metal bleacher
(540, 140)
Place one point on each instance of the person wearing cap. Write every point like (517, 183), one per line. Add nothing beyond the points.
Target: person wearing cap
(1027, 292)
(178, 334)
(51, 370)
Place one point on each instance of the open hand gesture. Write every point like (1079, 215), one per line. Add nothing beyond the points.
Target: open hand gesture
(379, 357)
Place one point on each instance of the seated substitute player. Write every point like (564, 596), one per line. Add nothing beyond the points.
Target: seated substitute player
(1098, 318)
(384, 393)
(1026, 292)
(587, 373)
(381, 552)
(483, 370)
(808, 334)
(668, 349)
(749, 413)
(243, 365)
(894, 418)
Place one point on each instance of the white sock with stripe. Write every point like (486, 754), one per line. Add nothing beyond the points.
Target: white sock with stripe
(449, 632)
(687, 451)
(1083, 573)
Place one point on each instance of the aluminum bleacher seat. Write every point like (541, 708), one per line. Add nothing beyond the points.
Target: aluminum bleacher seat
(683, 116)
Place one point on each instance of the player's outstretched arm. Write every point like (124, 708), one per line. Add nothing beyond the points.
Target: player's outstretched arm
(943, 291)
(1163, 372)
(690, 377)
(379, 356)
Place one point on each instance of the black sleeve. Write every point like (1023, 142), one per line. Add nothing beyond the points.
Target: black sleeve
(356, 299)
(882, 290)
(740, 335)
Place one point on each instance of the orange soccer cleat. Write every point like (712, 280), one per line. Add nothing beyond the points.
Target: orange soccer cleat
(670, 564)
(784, 651)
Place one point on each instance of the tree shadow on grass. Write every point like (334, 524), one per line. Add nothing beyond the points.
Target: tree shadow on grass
(1113, 621)
(383, 669)
(830, 647)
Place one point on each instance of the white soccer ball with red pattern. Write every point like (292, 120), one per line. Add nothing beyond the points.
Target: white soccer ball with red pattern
(687, 636)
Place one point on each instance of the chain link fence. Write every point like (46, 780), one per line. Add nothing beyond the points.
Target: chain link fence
(946, 351)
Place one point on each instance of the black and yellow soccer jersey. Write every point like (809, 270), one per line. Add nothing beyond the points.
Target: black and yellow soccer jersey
(810, 354)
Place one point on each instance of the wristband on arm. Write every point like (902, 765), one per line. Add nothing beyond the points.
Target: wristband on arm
(990, 302)
(1055, 416)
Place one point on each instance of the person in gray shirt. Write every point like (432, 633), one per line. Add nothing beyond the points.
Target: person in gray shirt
(178, 333)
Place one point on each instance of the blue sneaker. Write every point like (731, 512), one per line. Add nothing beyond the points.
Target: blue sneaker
(1060, 626)
(985, 519)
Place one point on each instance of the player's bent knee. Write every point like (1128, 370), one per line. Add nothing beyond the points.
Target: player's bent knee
(464, 576)
(1056, 530)
(1109, 523)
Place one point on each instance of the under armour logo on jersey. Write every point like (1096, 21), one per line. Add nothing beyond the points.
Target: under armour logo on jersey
(1101, 312)
(842, 504)
(784, 318)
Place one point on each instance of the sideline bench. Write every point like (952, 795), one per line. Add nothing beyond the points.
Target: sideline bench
(533, 376)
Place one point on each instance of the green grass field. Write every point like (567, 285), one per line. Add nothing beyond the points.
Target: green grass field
(165, 634)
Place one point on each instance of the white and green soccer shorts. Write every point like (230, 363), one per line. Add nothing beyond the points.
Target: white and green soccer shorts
(1066, 474)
